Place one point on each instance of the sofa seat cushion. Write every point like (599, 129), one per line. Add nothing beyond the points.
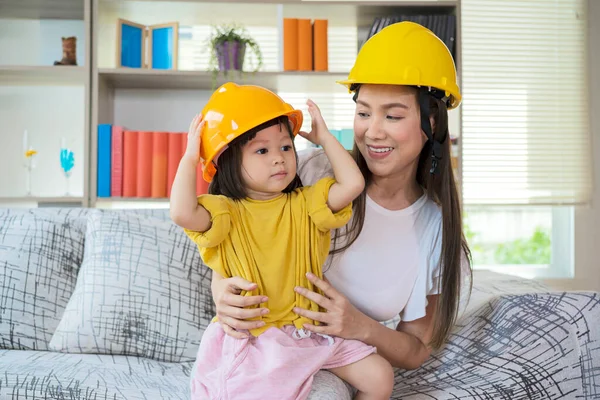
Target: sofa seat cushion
(50, 375)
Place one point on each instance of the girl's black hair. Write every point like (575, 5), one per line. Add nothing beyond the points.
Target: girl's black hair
(228, 178)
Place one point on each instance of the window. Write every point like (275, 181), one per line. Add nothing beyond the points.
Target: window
(525, 136)
(532, 242)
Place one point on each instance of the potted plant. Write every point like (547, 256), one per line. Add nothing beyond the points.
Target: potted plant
(228, 44)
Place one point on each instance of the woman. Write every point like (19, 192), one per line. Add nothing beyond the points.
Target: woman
(403, 250)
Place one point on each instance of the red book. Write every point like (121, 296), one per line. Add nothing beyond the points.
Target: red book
(160, 152)
(116, 162)
(173, 158)
(144, 164)
(130, 151)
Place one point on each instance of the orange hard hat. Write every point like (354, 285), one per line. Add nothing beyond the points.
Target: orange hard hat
(233, 110)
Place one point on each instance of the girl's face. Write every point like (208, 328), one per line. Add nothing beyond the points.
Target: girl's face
(268, 163)
(387, 129)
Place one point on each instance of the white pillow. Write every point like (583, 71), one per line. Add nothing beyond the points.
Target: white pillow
(41, 250)
(142, 290)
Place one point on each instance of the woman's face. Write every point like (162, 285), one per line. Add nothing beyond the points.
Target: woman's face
(387, 129)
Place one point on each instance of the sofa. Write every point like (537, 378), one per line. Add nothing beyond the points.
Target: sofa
(111, 304)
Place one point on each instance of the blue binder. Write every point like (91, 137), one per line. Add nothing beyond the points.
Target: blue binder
(104, 149)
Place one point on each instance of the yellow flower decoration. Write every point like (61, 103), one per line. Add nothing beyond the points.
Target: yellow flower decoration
(30, 153)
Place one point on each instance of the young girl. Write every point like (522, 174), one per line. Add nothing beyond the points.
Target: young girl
(259, 223)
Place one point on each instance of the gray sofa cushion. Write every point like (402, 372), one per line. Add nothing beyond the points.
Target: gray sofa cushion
(142, 290)
(529, 346)
(40, 253)
(49, 375)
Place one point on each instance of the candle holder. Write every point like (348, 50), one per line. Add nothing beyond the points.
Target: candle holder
(67, 162)
(29, 165)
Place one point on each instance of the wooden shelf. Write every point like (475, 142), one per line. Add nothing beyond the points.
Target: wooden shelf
(35, 199)
(42, 9)
(45, 75)
(132, 199)
(129, 78)
(130, 202)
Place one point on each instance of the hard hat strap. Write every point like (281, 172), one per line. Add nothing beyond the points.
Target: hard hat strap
(436, 144)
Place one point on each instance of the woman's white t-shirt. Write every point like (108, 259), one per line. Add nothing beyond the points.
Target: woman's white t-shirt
(393, 265)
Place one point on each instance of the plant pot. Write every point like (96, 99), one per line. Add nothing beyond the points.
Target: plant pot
(230, 55)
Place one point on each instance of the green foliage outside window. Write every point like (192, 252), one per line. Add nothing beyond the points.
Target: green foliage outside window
(536, 249)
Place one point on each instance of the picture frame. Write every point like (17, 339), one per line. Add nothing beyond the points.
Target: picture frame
(131, 49)
(163, 46)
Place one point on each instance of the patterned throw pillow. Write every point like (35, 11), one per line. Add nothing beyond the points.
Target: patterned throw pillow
(142, 290)
(41, 250)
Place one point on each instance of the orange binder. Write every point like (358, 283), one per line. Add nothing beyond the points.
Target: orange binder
(173, 158)
(305, 45)
(144, 165)
(130, 148)
(290, 44)
(320, 45)
(160, 152)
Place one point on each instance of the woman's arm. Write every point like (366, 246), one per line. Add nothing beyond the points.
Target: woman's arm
(184, 208)
(349, 182)
(406, 347)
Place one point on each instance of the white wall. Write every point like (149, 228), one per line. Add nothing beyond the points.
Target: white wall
(38, 42)
(587, 218)
(158, 110)
(47, 113)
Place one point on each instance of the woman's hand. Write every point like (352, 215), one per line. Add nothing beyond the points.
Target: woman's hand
(230, 306)
(342, 319)
(319, 131)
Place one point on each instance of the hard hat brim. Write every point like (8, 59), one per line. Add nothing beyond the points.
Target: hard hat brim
(453, 100)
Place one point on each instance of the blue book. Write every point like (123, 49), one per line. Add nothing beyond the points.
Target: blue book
(104, 146)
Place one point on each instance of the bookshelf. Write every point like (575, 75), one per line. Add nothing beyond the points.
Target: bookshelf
(43, 9)
(129, 78)
(65, 200)
(50, 102)
(42, 75)
(166, 100)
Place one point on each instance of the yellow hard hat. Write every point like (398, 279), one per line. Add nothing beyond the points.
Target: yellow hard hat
(233, 110)
(406, 53)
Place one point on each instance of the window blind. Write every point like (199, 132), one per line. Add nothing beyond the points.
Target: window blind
(525, 123)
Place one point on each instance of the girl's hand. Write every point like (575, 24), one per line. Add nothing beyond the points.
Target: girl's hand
(192, 150)
(319, 131)
(342, 319)
(230, 306)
